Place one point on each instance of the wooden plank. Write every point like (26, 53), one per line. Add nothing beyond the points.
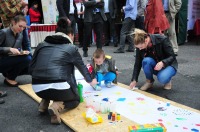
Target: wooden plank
(77, 122)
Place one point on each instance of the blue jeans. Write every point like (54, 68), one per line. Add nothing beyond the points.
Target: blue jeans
(13, 66)
(164, 75)
(108, 77)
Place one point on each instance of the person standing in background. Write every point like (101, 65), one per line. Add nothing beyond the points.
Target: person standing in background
(94, 16)
(128, 24)
(67, 8)
(110, 8)
(9, 9)
(139, 23)
(171, 8)
(80, 21)
(34, 13)
(155, 19)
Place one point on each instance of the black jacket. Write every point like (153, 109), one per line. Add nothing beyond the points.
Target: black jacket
(54, 61)
(89, 8)
(63, 7)
(164, 53)
(8, 40)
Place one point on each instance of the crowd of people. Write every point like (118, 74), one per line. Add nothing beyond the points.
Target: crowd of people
(54, 60)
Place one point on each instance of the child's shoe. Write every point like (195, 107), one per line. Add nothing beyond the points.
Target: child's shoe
(108, 84)
(97, 87)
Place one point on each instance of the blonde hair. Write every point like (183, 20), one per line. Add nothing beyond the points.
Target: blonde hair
(98, 53)
(139, 36)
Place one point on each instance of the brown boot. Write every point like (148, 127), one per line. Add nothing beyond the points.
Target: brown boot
(43, 106)
(168, 85)
(147, 85)
(54, 110)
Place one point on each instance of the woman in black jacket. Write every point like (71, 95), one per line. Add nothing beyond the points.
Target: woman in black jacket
(154, 53)
(52, 70)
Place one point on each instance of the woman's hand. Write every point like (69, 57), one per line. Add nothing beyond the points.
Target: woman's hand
(14, 51)
(132, 84)
(25, 52)
(159, 66)
(94, 82)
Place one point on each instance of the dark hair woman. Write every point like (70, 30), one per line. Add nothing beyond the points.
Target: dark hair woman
(52, 70)
(34, 13)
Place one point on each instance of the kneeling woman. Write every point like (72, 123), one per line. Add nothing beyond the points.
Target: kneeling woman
(154, 53)
(52, 70)
(14, 51)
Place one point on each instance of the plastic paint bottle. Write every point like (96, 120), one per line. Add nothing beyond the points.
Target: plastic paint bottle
(80, 91)
(118, 117)
(113, 117)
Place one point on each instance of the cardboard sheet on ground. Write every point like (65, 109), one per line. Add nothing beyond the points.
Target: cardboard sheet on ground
(134, 106)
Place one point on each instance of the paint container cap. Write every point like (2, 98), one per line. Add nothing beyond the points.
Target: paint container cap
(168, 103)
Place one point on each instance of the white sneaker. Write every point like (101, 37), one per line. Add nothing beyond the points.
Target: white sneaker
(146, 86)
(108, 85)
(97, 87)
(168, 86)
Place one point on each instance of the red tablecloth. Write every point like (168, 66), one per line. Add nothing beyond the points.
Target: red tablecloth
(43, 27)
(38, 32)
(197, 27)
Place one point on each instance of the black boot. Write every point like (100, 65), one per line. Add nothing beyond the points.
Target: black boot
(85, 54)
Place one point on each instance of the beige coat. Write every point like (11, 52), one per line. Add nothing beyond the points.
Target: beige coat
(174, 7)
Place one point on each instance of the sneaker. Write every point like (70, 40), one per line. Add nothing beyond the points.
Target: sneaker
(168, 85)
(108, 84)
(146, 86)
(97, 87)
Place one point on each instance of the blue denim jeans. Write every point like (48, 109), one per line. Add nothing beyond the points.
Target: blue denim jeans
(108, 77)
(164, 75)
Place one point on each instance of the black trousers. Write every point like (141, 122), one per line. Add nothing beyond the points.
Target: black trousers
(110, 30)
(70, 98)
(139, 22)
(13, 66)
(97, 24)
(73, 22)
(80, 23)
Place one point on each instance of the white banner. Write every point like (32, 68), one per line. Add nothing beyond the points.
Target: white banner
(50, 11)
